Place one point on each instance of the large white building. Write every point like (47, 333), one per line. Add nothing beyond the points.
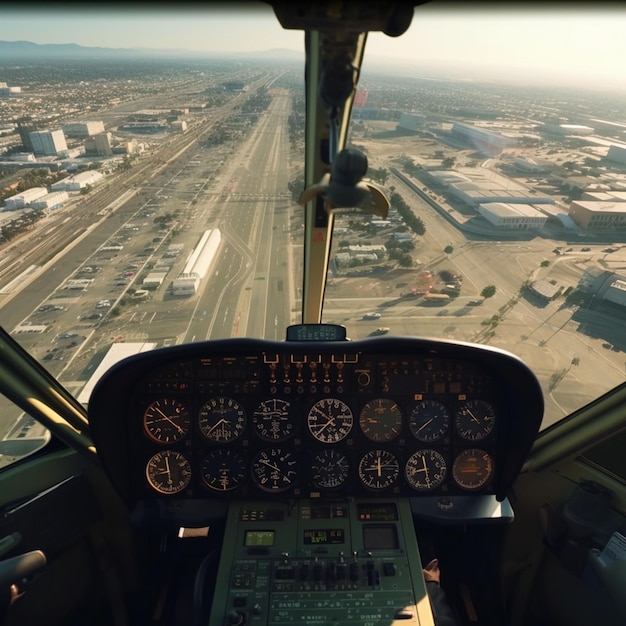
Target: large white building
(48, 142)
(198, 264)
(512, 216)
(24, 198)
(50, 201)
(77, 182)
(485, 141)
(596, 215)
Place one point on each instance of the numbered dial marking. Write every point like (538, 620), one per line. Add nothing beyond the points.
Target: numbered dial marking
(379, 469)
(222, 419)
(275, 470)
(168, 472)
(429, 420)
(425, 470)
(381, 420)
(475, 420)
(273, 421)
(472, 469)
(223, 470)
(330, 420)
(330, 469)
(166, 420)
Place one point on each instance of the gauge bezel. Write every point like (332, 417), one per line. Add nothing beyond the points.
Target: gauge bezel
(383, 428)
(388, 478)
(483, 471)
(181, 468)
(427, 485)
(215, 406)
(334, 432)
(179, 423)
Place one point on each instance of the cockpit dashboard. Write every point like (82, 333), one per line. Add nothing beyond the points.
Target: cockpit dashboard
(247, 419)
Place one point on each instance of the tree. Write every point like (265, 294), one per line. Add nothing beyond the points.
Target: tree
(488, 292)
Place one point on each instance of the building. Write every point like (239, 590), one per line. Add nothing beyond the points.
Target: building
(24, 198)
(598, 215)
(544, 289)
(410, 121)
(179, 126)
(50, 201)
(81, 130)
(77, 182)
(617, 154)
(476, 193)
(483, 140)
(198, 264)
(567, 129)
(48, 142)
(512, 216)
(99, 145)
(154, 280)
(26, 126)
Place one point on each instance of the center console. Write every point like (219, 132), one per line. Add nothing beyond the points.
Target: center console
(320, 563)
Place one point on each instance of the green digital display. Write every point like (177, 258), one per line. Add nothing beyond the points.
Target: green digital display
(259, 538)
(323, 536)
(316, 332)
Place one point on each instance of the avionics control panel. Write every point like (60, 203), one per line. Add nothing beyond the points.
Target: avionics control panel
(319, 563)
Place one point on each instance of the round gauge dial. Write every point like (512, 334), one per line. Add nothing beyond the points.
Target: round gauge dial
(472, 469)
(166, 420)
(425, 470)
(381, 419)
(168, 472)
(330, 420)
(379, 469)
(330, 469)
(272, 420)
(429, 420)
(475, 420)
(223, 470)
(222, 419)
(275, 470)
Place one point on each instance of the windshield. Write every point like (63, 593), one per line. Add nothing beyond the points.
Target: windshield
(152, 165)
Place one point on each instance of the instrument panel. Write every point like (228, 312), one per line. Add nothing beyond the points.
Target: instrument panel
(381, 417)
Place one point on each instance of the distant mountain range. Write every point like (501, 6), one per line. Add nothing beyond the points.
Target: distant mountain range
(27, 50)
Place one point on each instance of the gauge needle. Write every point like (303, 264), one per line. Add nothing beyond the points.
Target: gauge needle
(169, 419)
(218, 423)
(426, 423)
(270, 465)
(474, 418)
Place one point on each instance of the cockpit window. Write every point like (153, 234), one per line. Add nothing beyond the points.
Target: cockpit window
(151, 177)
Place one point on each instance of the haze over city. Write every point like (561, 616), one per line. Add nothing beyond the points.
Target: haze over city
(573, 46)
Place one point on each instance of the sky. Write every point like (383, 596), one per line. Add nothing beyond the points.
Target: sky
(564, 44)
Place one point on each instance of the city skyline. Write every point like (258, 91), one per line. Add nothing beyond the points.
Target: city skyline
(572, 46)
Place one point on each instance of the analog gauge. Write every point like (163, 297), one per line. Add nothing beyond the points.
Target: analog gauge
(472, 469)
(222, 419)
(379, 469)
(330, 420)
(166, 420)
(330, 469)
(272, 420)
(223, 470)
(168, 472)
(275, 470)
(475, 420)
(381, 419)
(429, 420)
(425, 470)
